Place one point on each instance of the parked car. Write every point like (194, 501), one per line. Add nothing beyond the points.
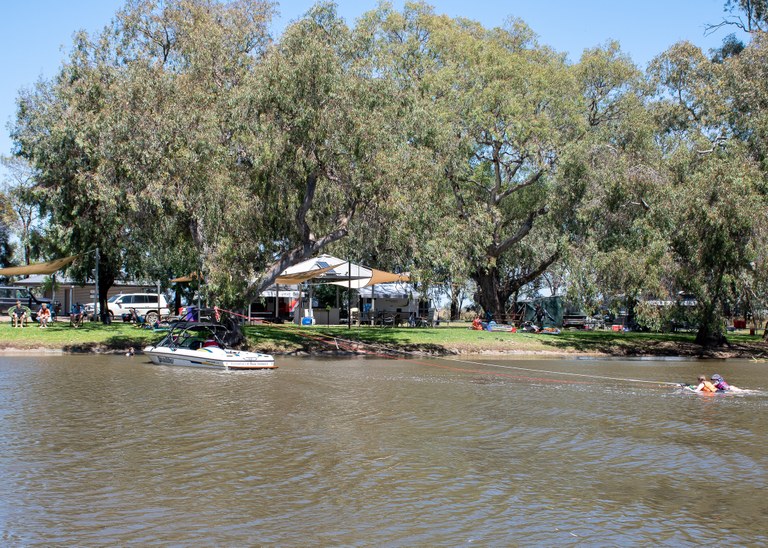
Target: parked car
(9, 295)
(146, 304)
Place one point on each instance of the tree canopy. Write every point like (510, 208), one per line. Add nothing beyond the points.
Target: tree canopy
(184, 138)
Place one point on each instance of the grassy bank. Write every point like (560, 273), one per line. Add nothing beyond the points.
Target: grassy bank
(457, 338)
(88, 338)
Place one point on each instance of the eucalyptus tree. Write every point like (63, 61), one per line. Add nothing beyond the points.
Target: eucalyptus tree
(746, 89)
(6, 218)
(747, 15)
(22, 213)
(317, 146)
(125, 139)
(418, 228)
(55, 132)
(616, 248)
(716, 192)
(539, 160)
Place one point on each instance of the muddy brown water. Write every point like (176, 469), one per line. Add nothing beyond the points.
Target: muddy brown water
(111, 450)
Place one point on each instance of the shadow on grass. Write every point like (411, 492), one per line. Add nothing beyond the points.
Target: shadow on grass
(321, 339)
(119, 342)
(653, 344)
(439, 341)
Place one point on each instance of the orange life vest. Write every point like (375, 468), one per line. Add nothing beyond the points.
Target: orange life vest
(708, 387)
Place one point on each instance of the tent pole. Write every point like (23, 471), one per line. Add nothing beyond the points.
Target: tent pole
(96, 282)
(349, 293)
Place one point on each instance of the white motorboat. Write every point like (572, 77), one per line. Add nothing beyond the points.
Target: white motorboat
(201, 344)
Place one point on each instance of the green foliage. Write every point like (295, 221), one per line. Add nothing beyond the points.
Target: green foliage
(6, 247)
(182, 139)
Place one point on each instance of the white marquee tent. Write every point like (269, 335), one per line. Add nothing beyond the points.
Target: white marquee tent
(327, 269)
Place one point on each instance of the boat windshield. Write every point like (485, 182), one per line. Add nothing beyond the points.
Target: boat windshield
(193, 336)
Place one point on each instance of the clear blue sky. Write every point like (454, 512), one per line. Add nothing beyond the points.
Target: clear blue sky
(35, 34)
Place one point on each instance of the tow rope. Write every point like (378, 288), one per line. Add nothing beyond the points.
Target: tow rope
(384, 351)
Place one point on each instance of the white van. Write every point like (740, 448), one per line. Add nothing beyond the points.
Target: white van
(145, 305)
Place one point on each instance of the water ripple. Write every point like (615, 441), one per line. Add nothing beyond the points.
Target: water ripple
(108, 450)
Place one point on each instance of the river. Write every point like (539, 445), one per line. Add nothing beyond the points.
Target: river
(110, 450)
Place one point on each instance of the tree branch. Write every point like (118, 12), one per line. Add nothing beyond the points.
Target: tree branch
(521, 233)
(520, 281)
(532, 180)
(303, 251)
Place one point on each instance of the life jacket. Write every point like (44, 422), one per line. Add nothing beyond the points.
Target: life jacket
(719, 382)
(708, 387)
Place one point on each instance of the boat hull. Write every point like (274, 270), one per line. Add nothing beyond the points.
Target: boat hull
(209, 358)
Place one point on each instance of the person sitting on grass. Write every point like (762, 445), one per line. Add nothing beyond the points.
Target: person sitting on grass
(19, 314)
(44, 316)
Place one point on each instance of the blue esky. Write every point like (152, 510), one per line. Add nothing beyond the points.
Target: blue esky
(36, 34)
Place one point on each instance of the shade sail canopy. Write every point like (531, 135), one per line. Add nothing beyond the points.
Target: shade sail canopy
(188, 278)
(382, 277)
(333, 270)
(392, 290)
(38, 268)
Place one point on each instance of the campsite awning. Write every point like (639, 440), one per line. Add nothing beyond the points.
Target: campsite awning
(48, 267)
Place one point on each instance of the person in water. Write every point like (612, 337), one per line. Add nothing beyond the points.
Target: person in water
(720, 384)
(704, 385)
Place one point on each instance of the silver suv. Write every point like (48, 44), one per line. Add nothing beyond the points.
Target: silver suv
(145, 305)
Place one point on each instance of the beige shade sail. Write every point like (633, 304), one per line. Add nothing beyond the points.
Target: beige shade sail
(48, 267)
(188, 278)
(381, 277)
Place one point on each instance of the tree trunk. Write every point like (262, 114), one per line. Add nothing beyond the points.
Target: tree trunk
(455, 302)
(490, 295)
(710, 331)
(106, 281)
(493, 296)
